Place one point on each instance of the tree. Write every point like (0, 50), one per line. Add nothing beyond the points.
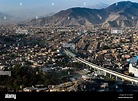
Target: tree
(16, 84)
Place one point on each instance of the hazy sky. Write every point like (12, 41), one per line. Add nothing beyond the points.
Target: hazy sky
(58, 4)
(48, 6)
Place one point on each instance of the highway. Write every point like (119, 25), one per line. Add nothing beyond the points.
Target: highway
(117, 74)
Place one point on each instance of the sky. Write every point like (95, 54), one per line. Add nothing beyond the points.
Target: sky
(6, 5)
(47, 6)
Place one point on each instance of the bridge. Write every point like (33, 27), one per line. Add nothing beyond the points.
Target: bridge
(117, 74)
(76, 39)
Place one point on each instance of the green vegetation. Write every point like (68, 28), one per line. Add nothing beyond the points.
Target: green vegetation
(26, 76)
(109, 79)
(76, 65)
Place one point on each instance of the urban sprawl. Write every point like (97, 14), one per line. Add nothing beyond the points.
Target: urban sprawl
(37, 60)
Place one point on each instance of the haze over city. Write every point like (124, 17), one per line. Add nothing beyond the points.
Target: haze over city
(32, 8)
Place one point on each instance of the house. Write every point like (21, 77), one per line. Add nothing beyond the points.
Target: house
(29, 89)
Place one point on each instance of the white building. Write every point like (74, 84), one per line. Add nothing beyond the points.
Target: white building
(133, 66)
(1, 67)
(86, 77)
(116, 31)
(69, 45)
(21, 31)
(133, 69)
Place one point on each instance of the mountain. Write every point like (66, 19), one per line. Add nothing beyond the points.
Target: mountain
(98, 6)
(8, 19)
(73, 16)
(120, 14)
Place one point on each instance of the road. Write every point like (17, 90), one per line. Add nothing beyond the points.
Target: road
(117, 74)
